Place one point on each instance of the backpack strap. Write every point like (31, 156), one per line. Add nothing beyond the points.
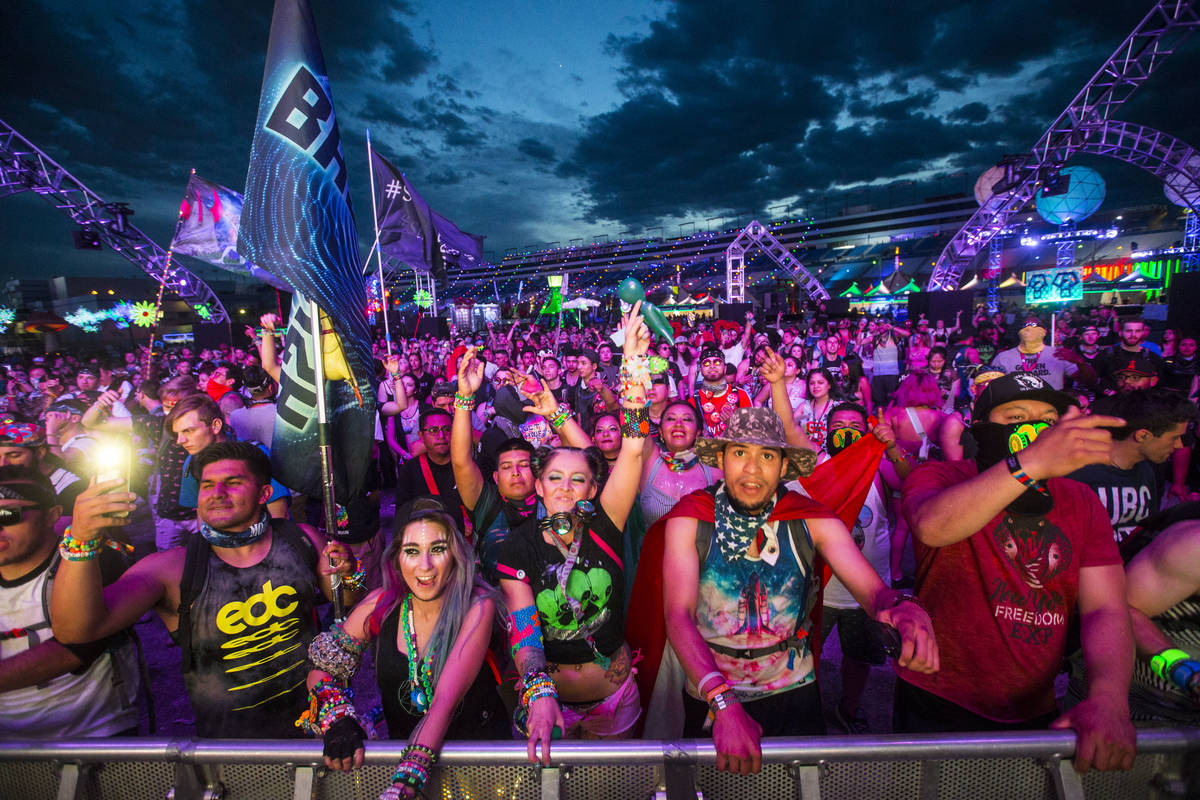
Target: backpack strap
(297, 539)
(195, 574)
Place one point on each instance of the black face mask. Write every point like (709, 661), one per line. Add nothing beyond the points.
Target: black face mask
(996, 442)
(841, 438)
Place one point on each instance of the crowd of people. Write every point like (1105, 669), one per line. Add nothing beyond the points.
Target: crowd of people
(602, 534)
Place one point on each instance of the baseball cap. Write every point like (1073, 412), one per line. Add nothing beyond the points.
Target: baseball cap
(1136, 365)
(26, 483)
(1015, 386)
(69, 406)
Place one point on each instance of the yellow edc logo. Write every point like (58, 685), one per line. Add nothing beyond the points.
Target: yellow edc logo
(256, 609)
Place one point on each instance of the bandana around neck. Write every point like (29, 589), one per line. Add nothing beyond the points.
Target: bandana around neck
(735, 531)
(677, 462)
(224, 539)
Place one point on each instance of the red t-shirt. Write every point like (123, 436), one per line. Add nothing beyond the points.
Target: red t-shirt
(1000, 600)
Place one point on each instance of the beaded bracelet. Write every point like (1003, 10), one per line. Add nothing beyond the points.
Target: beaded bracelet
(560, 416)
(635, 422)
(465, 402)
(358, 580)
(636, 370)
(327, 703)
(72, 549)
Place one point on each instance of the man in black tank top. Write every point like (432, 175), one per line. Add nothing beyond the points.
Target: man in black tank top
(240, 599)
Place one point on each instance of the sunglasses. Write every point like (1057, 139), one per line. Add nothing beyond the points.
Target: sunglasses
(12, 515)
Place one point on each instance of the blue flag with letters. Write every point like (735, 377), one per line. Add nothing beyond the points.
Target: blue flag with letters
(298, 224)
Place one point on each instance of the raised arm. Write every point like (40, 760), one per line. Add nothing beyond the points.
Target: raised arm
(82, 609)
(772, 370)
(558, 415)
(467, 474)
(99, 415)
(748, 331)
(266, 347)
(951, 514)
(622, 487)
(400, 400)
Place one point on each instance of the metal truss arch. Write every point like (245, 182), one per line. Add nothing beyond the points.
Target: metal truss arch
(757, 235)
(1088, 118)
(23, 167)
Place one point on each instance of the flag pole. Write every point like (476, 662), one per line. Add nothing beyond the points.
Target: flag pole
(162, 282)
(387, 331)
(326, 453)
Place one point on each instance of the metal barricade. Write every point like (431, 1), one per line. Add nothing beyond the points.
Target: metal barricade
(964, 767)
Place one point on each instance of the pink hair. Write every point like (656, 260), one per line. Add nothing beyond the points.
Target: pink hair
(919, 389)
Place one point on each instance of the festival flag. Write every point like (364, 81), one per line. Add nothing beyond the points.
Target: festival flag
(207, 229)
(298, 224)
(411, 231)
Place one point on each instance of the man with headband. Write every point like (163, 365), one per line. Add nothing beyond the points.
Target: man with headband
(48, 688)
(1008, 554)
(239, 598)
(740, 587)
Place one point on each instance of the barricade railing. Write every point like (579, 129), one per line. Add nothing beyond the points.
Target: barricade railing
(928, 767)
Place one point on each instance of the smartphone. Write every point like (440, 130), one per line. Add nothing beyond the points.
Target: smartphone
(114, 461)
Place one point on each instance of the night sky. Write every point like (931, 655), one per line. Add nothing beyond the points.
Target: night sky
(544, 122)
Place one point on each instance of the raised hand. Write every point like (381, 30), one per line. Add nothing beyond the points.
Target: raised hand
(1072, 443)
(96, 506)
(637, 335)
(772, 367)
(470, 373)
(542, 402)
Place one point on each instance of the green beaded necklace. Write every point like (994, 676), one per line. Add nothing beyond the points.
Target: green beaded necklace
(420, 670)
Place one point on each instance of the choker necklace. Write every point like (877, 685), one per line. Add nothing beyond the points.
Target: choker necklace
(218, 538)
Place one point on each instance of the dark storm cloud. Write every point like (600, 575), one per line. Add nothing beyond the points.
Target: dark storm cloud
(726, 110)
(536, 149)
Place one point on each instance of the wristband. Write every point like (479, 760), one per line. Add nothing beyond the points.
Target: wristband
(700, 683)
(560, 416)
(466, 402)
(1015, 469)
(722, 700)
(1176, 666)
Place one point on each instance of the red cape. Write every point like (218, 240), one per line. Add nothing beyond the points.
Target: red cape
(839, 487)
